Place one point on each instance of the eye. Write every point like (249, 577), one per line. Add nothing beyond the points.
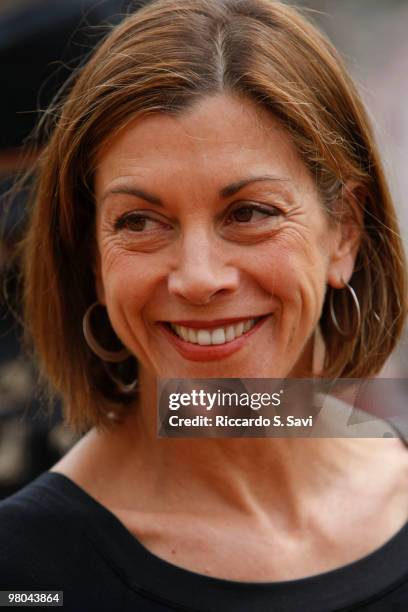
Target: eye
(136, 222)
(245, 214)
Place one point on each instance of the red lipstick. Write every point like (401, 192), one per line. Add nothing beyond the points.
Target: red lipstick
(194, 324)
(210, 352)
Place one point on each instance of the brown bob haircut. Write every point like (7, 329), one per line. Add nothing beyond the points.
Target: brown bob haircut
(161, 59)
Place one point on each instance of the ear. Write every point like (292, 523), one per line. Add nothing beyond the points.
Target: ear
(346, 234)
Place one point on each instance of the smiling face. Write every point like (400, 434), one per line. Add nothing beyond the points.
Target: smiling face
(207, 219)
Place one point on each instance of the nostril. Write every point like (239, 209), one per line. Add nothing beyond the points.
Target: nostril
(200, 285)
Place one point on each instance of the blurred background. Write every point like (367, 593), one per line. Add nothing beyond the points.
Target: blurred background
(41, 43)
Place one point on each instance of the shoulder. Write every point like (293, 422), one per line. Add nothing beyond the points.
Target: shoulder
(41, 537)
(54, 537)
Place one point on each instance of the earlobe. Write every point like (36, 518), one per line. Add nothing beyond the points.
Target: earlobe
(347, 236)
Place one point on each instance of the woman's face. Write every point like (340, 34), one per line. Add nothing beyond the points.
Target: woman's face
(208, 221)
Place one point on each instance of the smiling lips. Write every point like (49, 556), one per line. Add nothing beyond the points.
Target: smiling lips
(205, 340)
(205, 336)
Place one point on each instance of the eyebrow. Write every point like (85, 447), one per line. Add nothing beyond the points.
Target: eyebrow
(225, 192)
(233, 188)
(133, 191)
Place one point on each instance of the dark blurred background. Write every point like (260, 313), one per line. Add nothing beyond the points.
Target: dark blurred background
(41, 43)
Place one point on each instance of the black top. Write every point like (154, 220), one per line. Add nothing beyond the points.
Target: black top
(55, 536)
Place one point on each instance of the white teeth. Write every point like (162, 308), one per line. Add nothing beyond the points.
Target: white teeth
(230, 333)
(182, 331)
(247, 325)
(203, 336)
(239, 329)
(220, 335)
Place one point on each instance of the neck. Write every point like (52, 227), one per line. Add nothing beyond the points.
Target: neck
(252, 476)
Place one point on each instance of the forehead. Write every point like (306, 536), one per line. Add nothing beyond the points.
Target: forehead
(218, 139)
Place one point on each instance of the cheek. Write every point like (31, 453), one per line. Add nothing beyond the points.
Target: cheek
(294, 271)
(129, 284)
(129, 280)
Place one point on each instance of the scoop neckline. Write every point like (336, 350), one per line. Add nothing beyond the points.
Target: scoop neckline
(184, 589)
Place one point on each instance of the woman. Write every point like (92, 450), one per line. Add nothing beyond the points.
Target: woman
(211, 205)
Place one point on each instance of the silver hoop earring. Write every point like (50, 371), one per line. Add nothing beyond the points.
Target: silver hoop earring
(357, 307)
(126, 388)
(109, 356)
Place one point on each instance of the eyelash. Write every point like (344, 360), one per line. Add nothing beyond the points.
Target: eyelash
(122, 221)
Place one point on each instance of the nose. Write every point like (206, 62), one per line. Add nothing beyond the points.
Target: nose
(202, 270)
